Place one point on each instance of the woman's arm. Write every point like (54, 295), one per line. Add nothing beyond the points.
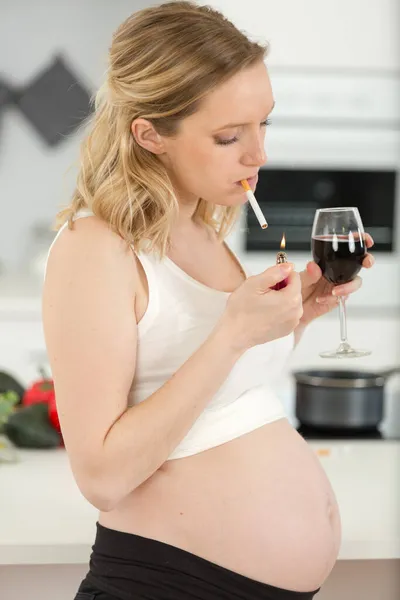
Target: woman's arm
(91, 338)
(298, 333)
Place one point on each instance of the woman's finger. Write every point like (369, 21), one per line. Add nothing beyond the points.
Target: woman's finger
(368, 261)
(347, 288)
(369, 240)
(328, 301)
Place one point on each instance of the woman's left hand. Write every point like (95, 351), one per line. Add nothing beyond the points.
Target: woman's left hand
(320, 296)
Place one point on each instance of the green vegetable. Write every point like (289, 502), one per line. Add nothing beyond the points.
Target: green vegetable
(8, 383)
(8, 400)
(30, 427)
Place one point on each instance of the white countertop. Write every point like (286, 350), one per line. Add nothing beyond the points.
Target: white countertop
(45, 520)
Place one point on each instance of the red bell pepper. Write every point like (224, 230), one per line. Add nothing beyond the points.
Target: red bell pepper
(40, 391)
(43, 391)
(53, 414)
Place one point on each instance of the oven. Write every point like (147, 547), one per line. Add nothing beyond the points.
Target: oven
(334, 140)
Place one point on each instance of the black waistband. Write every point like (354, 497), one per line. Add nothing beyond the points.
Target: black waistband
(132, 567)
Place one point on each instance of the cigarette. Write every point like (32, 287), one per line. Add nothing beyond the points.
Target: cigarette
(254, 204)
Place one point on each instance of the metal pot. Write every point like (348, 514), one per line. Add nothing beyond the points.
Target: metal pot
(341, 399)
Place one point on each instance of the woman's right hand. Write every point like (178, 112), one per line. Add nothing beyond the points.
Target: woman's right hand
(256, 314)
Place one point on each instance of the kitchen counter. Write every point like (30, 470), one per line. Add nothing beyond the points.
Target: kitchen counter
(45, 520)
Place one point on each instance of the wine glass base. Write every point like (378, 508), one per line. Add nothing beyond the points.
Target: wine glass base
(349, 353)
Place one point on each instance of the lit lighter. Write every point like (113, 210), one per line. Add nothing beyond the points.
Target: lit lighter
(281, 258)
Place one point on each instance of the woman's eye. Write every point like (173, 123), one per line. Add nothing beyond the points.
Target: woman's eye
(227, 142)
(235, 139)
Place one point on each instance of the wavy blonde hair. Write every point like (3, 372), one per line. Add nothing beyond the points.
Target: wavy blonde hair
(163, 60)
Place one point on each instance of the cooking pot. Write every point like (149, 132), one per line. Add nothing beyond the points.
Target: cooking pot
(341, 399)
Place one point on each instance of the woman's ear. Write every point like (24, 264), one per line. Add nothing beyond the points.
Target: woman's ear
(146, 136)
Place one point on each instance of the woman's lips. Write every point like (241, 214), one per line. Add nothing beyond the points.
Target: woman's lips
(252, 181)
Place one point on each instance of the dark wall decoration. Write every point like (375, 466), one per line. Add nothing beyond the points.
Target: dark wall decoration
(54, 102)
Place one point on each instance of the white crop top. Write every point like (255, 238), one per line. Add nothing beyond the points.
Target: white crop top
(181, 314)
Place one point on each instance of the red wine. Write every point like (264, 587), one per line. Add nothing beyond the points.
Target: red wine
(339, 258)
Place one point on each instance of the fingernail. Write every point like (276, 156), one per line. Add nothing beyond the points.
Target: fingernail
(320, 300)
(285, 269)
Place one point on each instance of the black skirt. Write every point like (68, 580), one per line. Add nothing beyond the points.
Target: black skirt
(124, 566)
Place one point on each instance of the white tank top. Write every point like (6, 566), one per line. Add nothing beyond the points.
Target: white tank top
(181, 314)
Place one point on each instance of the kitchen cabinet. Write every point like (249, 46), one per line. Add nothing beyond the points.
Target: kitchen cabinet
(349, 580)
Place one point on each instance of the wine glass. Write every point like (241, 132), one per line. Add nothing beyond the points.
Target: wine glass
(338, 248)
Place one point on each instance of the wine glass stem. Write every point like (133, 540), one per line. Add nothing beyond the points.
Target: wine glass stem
(343, 319)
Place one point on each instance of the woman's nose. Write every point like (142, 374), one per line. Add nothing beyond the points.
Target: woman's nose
(256, 157)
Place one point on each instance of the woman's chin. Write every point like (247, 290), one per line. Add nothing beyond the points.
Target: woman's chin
(233, 200)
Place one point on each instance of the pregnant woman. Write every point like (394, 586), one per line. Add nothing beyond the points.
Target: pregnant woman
(164, 349)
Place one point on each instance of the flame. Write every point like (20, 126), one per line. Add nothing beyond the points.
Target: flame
(283, 242)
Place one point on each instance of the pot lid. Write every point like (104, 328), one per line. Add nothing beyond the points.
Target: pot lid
(340, 379)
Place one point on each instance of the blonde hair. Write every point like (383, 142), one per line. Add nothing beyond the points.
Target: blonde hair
(163, 60)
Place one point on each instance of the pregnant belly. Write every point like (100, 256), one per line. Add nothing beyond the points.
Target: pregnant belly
(260, 505)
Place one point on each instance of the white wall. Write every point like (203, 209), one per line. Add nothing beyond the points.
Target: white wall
(322, 33)
(33, 177)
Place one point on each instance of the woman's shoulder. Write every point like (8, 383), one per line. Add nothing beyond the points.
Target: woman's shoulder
(90, 244)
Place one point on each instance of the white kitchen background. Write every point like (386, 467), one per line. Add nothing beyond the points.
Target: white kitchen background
(333, 36)
(329, 36)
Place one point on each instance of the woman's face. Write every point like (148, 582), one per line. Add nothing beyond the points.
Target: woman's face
(223, 142)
